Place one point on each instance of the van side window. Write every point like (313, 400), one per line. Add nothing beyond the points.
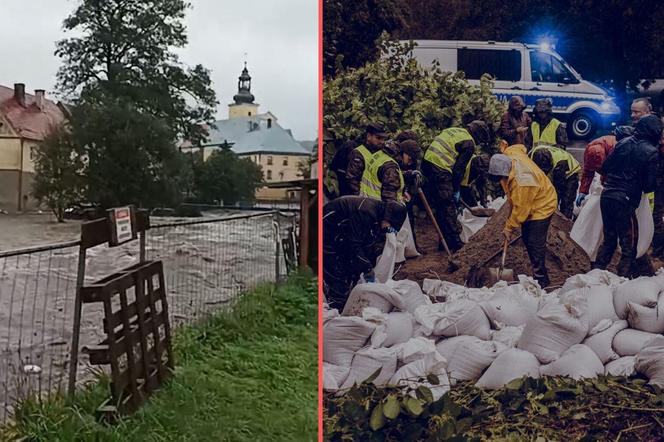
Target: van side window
(502, 65)
(547, 68)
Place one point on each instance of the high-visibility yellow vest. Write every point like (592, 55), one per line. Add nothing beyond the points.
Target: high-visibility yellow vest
(370, 185)
(558, 155)
(465, 182)
(442, 152)
(651, 200)
(548, 136)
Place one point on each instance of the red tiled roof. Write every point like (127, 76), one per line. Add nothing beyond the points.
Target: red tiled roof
(29, 121)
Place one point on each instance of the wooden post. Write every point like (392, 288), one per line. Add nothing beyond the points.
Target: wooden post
(304, 226)
(73, 354)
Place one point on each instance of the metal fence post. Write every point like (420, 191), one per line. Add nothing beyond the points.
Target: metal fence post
(141, 236)
(76, 331)
(277, 253)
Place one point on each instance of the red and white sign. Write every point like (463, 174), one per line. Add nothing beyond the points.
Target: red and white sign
(123, 228)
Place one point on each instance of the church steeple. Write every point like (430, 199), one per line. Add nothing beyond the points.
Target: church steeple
(244, 87)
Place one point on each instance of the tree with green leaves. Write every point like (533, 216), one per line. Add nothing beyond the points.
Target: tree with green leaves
(226, 177)
(59, 168)
(132, 98)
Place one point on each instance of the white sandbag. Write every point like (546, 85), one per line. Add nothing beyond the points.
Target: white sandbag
(385, 266)
(396, 329)
(414, 374)
(410, 295)
(600, 305)
(367, 361)
(343, 336)
(399, 254)
(406, 240)
(414, 349)
(643, 291)
(509, 335)
(558, 324)
(629, 342)
(334, 376)
(447, 346)
(587, 229)
(470, 224)
(329, 314)
(509, 365)
(577, 362)
(453, 318)
(471, 358)
(648, 318)
(509, 309)
(646, 226)
(621, 367)
(590, 279)
(441, 291)
(650, 361)
(601, 343)
(376, 295)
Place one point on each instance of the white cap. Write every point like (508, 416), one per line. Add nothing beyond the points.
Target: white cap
(500, 165)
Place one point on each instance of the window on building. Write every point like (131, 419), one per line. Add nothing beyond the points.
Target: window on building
(281, 175)
(33, 153)
(269, 123)
(268, 175)
(249, 113)
(502, 65)
(285, 161)
(269, 161)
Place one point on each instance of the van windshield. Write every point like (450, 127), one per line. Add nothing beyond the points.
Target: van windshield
(547, 68)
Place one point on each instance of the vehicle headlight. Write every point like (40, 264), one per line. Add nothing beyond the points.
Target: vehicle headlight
(609, 106)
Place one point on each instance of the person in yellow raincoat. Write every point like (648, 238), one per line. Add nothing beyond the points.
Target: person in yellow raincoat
(533, 201)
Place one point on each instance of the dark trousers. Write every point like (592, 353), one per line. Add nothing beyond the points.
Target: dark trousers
(567, 195)
(658, 214)
(534, 235)
(620, 225)
(411, 216)
(440, 194)
(338, 279)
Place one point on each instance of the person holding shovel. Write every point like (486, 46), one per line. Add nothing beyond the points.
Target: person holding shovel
(533, 201)
(444, 166)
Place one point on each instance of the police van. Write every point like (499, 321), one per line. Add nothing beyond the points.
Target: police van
(531, 71)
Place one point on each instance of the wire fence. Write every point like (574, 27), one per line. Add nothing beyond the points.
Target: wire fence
(207, 263)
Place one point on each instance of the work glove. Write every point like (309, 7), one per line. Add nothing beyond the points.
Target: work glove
(457, 196)
(579, 199)
(370, 277)
(418, 178)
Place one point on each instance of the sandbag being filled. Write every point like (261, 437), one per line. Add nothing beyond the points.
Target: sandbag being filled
(509, 365)
(385, 266)
(577, 362)
(343, 336)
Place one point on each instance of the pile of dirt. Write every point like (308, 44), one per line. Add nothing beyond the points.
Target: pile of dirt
(564, 257)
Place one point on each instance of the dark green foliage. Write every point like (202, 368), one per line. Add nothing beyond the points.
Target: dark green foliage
(226, 177)
(59, 170)
(526, 409)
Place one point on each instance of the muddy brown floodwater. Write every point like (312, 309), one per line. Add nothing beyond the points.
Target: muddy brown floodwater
(563, 259)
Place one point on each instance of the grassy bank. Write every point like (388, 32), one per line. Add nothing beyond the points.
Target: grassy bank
(249, 374)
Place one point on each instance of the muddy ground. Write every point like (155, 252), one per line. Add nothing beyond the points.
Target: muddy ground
(564, 257)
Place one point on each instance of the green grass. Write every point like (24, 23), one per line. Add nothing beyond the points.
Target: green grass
(249, 374)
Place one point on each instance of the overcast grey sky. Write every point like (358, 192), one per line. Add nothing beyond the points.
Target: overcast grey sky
(279, 37)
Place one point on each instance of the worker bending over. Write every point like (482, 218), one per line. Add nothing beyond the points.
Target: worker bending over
(354, 230)
(533, 201)
(563, 170)
(444, 166)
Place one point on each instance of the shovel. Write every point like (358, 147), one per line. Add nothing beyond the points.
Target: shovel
(452, 266)
(480, 212)
(501, 273)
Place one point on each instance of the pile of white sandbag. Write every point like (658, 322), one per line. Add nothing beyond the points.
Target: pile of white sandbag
(597, 323)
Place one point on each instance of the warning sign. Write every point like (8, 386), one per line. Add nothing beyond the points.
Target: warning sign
(122, 225)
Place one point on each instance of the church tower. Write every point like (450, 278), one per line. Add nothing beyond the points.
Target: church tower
(243, 105)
